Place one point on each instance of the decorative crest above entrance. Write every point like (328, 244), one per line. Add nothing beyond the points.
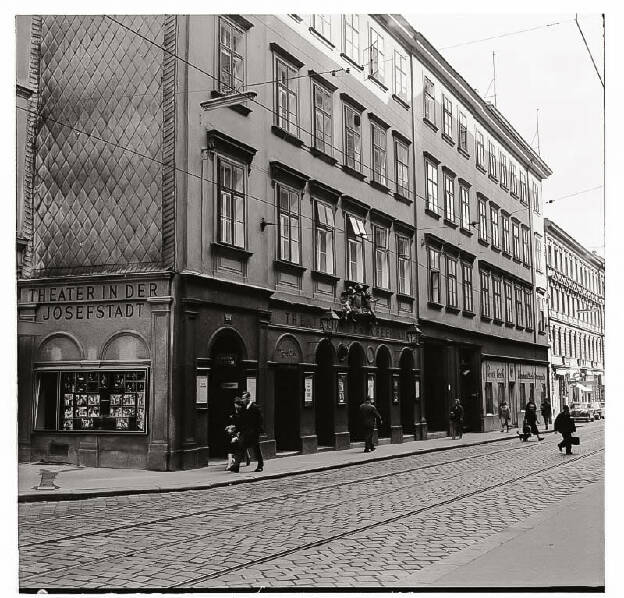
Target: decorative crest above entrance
(356, 303)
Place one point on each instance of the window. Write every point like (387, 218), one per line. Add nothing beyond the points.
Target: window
(322, 24)
(231, 62)
(498, 299)
(494, 226)
(112, 401)
(515, 231)
(352, 139)
(491, 159)
(447, 117)
(519, 307)
(378, 137)
(429, 99)
(482, 220)
(526, 249)
(462, 129)
(288, 224)
(503, 170)
(489, 399)
(382, 255)
(536, 197)
(528, 308)
(356, 233)
(513, 181)
(451, 282)
(434, 275)
(323, 118)
(404, 265)
(541, 325)
(506, 241)
(467, 286)
(286, 96)
(401, 155)
(376, 64)
(351, 35)
(538, 253)
(401, 70)
(480, 150)
(508, 302)
(523, 187)
(485, 293)
(523, 400)
(449, 197)
(324, 225)
(432, 186)
(464, 197)
(231, 185)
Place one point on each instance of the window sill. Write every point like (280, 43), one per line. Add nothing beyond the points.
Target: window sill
(352, 62)
(515, 259)
(405, 297)
(432, 213)
(289, 267)
(286, 136)
(240, 108)
(325, 277)
(377, 82)
(509, 324)
(493, 177)
(485, 318)
(481, 169)
(450, 222)
(452, 310)
(430, 124)
(231, 251)
(506, 254)
(504, 186)
(465, 231)
(379, 186)
(448, 139)
(382, 292)
(463, 152)
(528, 266)
(468, 314)
(320, 36)
(497, 321)
(483, 242)
(317, 153)
(519, 327)
(513, 194)
(400, 197)
(353, 172)
(542, 332)
(527, 329)
(496, 249)
(435, 305)
(400, 101)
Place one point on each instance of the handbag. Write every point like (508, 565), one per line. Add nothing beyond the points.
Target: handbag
(575, 440)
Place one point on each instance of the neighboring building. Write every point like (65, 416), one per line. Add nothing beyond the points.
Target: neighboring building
(480, 284)
(576, 319)
(184, 250)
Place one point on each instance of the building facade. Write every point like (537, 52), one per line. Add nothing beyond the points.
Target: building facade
(481, 284)
(576, 283)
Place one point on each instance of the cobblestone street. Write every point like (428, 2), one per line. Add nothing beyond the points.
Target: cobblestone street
(373, 525)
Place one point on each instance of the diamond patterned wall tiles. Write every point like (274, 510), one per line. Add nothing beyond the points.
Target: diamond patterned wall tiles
(98, 196)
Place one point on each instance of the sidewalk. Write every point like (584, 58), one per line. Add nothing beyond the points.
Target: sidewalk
(72, 482)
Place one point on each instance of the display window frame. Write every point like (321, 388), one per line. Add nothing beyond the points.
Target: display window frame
(126, 400)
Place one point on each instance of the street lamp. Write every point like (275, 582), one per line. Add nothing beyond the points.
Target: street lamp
(413, 335)
(329, 323)
(228, 100)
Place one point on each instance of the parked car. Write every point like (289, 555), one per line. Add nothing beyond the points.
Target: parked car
(599, 410)
(582, 412)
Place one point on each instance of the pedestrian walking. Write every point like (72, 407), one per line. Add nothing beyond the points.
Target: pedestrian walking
(368, 416)
(564, 424)
(504, 414)
(234, 436)
(456, 419)
(251, 427)
(546, 412)
(530, 416)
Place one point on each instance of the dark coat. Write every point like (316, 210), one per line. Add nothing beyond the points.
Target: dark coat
(251, 423)
(368, 415)
(456, 414)
(546, 410)
(564, 424)
(530, 413)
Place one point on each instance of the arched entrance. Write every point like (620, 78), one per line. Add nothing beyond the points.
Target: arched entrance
(325, 384)
(383, 396)
(407, 391)
(355, 388)
(288, 393)
(226, 382)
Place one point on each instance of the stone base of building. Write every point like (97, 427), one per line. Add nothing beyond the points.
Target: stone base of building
(396, 434)
(420, 431)
(309, 444)
(342, 441)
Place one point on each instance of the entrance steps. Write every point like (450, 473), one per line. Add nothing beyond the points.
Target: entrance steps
(434, 435)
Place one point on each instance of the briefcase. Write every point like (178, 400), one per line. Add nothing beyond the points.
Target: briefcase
(575, 440)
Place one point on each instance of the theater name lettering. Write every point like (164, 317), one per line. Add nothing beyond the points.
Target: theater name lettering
(92, 302)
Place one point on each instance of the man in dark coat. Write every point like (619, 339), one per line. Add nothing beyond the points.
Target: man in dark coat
(456, 419)
(530, 416)
(546, 412)
(564, 424)
(251, 426)
(368, 416)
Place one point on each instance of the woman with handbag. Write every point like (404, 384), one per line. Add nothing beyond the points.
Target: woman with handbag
(564, 424)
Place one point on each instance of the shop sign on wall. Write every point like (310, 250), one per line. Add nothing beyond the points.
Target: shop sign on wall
(308, 390)
(251, 387)
(342, 389)
(395, 388)
(495, 371)
(371, 387)
(526, 373)
(202, 390)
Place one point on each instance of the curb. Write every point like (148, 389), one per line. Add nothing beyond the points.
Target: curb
(82, 495)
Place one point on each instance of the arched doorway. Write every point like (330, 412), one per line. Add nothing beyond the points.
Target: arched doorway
(226, 379)
(407, 391)
(355, 388)
(325, 393)
(383, 396)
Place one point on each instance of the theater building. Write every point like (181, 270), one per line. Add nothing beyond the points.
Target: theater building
(216, 204)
